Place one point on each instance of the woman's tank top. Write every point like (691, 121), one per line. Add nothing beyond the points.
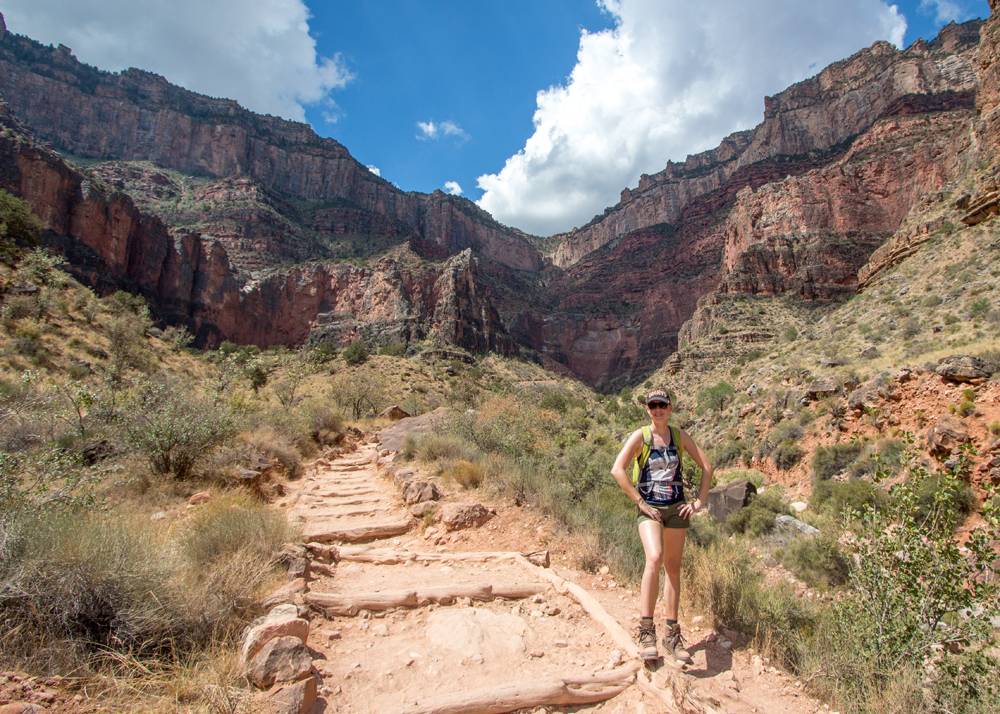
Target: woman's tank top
(660, 483)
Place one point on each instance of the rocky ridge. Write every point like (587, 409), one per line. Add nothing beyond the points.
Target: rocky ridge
(213, 227)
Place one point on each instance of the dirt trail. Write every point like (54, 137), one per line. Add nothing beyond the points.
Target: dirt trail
(400, 625)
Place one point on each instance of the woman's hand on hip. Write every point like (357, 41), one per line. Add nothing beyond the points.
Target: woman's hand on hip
(650, 511)
(689, 509)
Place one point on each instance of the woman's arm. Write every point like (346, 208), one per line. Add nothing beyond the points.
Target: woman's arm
(624, 479)
(706, 474)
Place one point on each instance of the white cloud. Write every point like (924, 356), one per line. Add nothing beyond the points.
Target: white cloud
(453, 188)
(671, 78)
(375, 170)
(431, 129)
(946, 10)
(258, 52)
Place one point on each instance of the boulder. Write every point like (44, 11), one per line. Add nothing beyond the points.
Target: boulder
(395, 413)
(295, 698)
(401, 476)
(456, 516)
(420, 491)
(729, 498)
(283, 659)
(289, 592)
(420, 510)
(963, 368)
(793, 526)
(820, 388)
(870, 394)
(282, 621)
(946, 435)
(199, 498)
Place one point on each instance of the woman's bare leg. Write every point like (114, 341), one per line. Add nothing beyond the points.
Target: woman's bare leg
(652, 544)
(673, 549)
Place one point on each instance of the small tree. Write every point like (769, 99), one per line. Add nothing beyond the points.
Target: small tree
(359, 394)
(174, 428)
(918, 598)
(715, 397)
(18, 226)
(356, 353)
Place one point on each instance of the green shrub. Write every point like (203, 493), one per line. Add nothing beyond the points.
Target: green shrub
(942, 501)
(787, 454)
(828, 461)
(911, 587)
(731, 451)
(818, 561)
(841, 497)
(443, 447)
(752, 475)
(19, 227)
(757, 517)
(978, 308)
(465, 473)
(173, 428)
(231, 524)
(715, 397)
(356, 353)
(725, 581)
(393, 349)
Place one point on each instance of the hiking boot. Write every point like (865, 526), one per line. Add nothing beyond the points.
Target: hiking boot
(647, 642)
(674, 644)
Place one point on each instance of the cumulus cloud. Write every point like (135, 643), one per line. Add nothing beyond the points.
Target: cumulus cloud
(947, 10)
(671, 78)
(375, 170)
(431, 129)
(453, 188)
(258, 52)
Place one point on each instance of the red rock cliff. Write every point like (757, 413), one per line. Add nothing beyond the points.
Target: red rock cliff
(804, 126)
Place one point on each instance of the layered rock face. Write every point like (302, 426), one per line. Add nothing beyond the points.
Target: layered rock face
(110, 243)
(138, 116)
(804, 127)
(238, 225)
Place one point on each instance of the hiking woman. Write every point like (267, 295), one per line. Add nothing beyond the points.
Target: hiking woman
(663, 514)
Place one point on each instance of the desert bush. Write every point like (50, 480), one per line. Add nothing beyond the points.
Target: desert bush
(173, 428)
(230, 524)
(127, 346)
(19, 227)
(818, 561)
(731, 451)
(757, 517)
(355, 353)
(558, 400)
(752, 475)
(431, 448)
(393, 349)
(724, 581)
(828, 461)
(272, 444)
(178, 336)
(715, 397)
(941, 501)
(466, 474)
(359, 394)
(787, 454)
(842, 497)
(912, 589)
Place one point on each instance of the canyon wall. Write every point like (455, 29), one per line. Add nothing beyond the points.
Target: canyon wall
(804, 126)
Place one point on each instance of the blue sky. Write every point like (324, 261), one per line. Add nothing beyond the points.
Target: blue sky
(540, 110)
(477, 64)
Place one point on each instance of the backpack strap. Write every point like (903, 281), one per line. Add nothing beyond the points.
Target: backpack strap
(675, 434)
(642, 458)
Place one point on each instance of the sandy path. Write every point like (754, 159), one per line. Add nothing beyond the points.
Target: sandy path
(400, 625)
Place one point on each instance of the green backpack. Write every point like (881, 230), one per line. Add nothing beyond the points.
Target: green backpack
(639, 462)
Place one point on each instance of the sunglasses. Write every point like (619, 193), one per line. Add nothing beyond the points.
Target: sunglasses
(659, 405)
